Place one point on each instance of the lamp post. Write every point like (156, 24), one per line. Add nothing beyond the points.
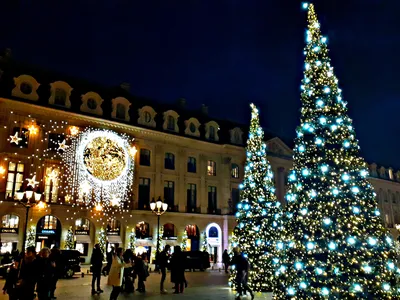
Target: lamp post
(29, 195)
(158, 208)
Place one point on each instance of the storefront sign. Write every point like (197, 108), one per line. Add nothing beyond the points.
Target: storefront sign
(112, 232)
(41, 237)
(213, 240)
(170, 238)
(9, 230)
(48, 231)
(81, 232)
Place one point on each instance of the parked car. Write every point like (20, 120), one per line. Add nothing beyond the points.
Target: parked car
(71, 260)
(197, 260)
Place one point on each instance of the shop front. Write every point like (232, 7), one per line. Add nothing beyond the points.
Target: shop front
(214, 245)
(144, 240)
(193, 238)
(113, 235)
(9, 233)
(48, 232)
(82, 236)
(169, 236)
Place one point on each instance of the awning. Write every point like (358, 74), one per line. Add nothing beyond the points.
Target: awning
(144, 243)
(85, 239)
(114, 239)
(9, 237)
(171, 242)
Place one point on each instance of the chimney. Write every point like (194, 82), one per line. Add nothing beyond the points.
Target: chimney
(182, 102)
(126, 86)
(204, 109)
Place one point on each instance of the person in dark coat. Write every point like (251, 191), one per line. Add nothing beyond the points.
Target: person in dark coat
(45, 270)
(226, 260)
(110, 256)
(10, 286)
(140, 268)
(56, 258)
(242, 267)
(178, 269)
(162, 261)
(97, 263)
(28, 275)
(128, 284)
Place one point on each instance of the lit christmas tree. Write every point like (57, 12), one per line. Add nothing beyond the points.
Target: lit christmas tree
(335, 245)
(69, 240)
(160, 239)
(259, 212)
(204, 246)
(102, 240)
(132, 241)
(30, 237)
(184, 241)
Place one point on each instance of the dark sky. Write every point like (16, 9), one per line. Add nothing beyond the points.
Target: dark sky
(224, 53)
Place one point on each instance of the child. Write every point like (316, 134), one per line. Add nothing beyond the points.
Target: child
(10, 287)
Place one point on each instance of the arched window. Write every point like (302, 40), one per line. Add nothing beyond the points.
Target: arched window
(120, 111)
(114, 227)
(169, 231)
(49, 222)
(142, 230)
(171, 123)
(10, 221)
(192, 231)
(213, 232)
(60, 97)
(82, 224)
(212, 133)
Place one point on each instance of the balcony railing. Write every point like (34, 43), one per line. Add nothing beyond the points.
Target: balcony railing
(214, 211)
(193, 210)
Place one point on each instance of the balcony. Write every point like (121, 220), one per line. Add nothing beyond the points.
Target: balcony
(174, 208)
(193, 210)
(214, 211)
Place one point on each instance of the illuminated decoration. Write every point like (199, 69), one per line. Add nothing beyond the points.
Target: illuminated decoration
(100, 170)
(30, 237)
(73, 130)
(69, 239)
(102, 240)
(346, 251)
(2, 170)
(133, 151)
(15, 139)
(184, 241)
(259, 213)
(62, 146)
(33, 129)
(32, 181)
(132, 241)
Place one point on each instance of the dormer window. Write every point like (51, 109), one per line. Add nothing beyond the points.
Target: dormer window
(192, 127)
(120, 109)
(91, 103)
(212, 128)
(26, 87)
(147, 116)
(171, 121)
(60, 93)
(236, 136)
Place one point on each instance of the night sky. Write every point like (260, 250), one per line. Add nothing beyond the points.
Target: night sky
(224, 53)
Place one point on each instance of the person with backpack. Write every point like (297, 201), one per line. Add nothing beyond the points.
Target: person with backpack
(242, 267)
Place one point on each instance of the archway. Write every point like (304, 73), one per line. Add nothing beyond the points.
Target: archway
(9, 233)
(214, 241)
(48, 232)
(193, 237)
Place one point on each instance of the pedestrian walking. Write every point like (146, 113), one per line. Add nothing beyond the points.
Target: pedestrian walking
(97, 263)
(178, 270)
(116, 274)
(28, 275)
(45, 270)
(162, 260)
(56, 258)
(226, 260)
(10, 286)
(242, 267)
(128, 283)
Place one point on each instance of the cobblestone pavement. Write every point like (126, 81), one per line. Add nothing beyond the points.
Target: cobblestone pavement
(202, 286)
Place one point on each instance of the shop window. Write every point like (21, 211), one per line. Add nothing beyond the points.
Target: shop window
(191, 167)
(82, 224)
(142, 230)
(23, 137)
(235, 171)
(113, 227)
(192, 231)
(145, 157)
(211, 168)
(169, 162)
(15, 178)
(83, 248)
(51, 184)
(10, 221)
(169, 231)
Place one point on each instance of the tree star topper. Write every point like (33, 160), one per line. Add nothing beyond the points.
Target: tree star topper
(15, 139)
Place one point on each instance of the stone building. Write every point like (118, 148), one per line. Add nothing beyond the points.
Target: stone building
(194, 163)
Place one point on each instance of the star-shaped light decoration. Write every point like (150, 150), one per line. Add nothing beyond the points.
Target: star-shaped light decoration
(15, 139)
(62, 146)
(32, 181)
(85, 187)
(114, 200)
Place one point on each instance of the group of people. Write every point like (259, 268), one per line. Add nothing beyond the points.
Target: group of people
(123, 268)
(32, 273)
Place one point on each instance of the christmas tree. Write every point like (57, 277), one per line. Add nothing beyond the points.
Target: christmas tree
(335, 245)
(30, 237)
(204, 247)
(102, 240)
(160, 239)
(184, 241)
(132, 240)
(259, 212)
(69, 240)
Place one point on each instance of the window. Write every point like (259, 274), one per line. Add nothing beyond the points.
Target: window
(82, 224)
(191, 167)
(113, 226)
(235, 171)
(169, 230)
(212, 133)
(212, 199)
(169, 162)
(147, 117)
(145, 157)
(50, 222)
(213, 232)
(191, 197)
(235, 195)
(26, 88)
(91, 103)
(54, 140)
(23, 135)
(211, 168)
(169, 193)
(120, 111)
(142, 230)
(390, 174)
(15, 178)
(192, 128)
(192, 231)
(60, 97)
(10, 221)
(144, 193)
(171, 123)
(51, 184)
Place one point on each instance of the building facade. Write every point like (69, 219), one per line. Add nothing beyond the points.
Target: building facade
(192, 162)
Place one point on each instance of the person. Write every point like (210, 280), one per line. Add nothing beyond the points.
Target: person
(162, 261)
(45, 271)
(128, 282)
(226, 259)
(28, 275)
(116, 274)
(56, 258)
(6, 259)
(10, 286)
(178, 270)
(110, 256)
(140, 271)
(242, 267)
(97, 262)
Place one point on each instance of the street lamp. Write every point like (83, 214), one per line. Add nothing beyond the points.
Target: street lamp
(29, 196)
(158, 208)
